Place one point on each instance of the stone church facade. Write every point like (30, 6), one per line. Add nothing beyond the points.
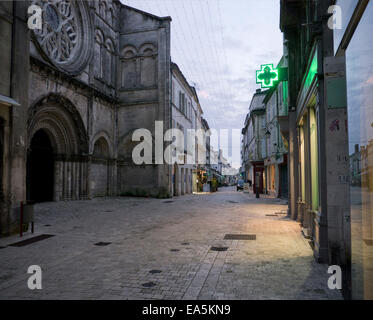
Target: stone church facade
(78, 88)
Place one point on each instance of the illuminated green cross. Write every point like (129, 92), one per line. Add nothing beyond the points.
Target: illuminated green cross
(267, 75)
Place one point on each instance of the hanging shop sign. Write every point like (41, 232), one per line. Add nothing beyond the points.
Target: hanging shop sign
(267, 76)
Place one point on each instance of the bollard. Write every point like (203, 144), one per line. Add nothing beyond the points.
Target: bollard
(21, 220)
(29, 210)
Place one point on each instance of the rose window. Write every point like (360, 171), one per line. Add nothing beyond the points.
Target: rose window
(64, 34)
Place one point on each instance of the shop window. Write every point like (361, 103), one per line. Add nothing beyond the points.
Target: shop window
(314, 160)
(1, 158)
(359, 72)
(302, 164)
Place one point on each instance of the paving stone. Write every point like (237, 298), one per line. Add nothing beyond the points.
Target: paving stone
(279, 264)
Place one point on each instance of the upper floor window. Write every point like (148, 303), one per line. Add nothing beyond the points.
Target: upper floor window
(109, 61)
(182, 102)
(99, 43)
(138, 66)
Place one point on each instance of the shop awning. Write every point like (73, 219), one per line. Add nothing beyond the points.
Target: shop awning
(8, 101)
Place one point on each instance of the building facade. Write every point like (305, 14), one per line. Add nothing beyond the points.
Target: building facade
(353, 75)
(316, 127)
(184, 117)
(275, 155)
(13, 94)
(72, 94)
(206, 167)
(254, 142)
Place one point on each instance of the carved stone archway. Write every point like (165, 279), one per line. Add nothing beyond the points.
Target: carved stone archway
(58, 118)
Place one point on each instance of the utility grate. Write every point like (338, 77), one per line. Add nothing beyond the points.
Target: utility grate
(31, 240)
(368, 242)
(219, 248)
(271, 215)
(148, 284)
(240, 237)
(185, 244)
(230, 201)
(174, 250)
(155, 271)
(102, 244)
(168, 201)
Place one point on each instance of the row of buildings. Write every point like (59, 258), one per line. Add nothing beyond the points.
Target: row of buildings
(325, 119)
(263, 147)
(202, 167)
(73, 93)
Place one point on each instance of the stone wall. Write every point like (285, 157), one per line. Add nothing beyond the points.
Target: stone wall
(115, 81)
(144, 94)
(14, 84)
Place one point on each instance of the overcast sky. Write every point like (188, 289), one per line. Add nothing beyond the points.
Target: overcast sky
(218, 45)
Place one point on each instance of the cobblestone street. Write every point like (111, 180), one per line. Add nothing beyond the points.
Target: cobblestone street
(161, 249)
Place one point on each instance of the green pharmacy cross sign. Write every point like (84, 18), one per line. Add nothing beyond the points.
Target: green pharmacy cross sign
(267, 75)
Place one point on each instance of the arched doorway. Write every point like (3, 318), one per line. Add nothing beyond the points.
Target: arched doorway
(57, 164)
(40, 168)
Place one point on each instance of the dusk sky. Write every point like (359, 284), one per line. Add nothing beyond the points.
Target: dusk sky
(218, 45)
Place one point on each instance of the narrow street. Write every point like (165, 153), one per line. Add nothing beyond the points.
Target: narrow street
(161, 249)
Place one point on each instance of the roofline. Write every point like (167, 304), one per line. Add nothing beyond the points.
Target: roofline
(147, 13)
(269, 94)
(263, 92)
(175, 67)
(195, 93)
(203, 120)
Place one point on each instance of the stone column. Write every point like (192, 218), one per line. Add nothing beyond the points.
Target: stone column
(58, 180)
(76, 180)
(69, 175)
(81, 179)
(108, 177)
(88, 178)
(65, 180)
(114, 181)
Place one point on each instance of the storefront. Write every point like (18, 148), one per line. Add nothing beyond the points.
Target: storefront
(202, 179)
(284, 177)
(308, 201)
(259, 176)
(276, 176)
(354, 42)
(271, 176)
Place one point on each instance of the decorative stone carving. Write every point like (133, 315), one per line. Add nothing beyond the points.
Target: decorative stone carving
(66, 34)
(138, 67)
(62, 121)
